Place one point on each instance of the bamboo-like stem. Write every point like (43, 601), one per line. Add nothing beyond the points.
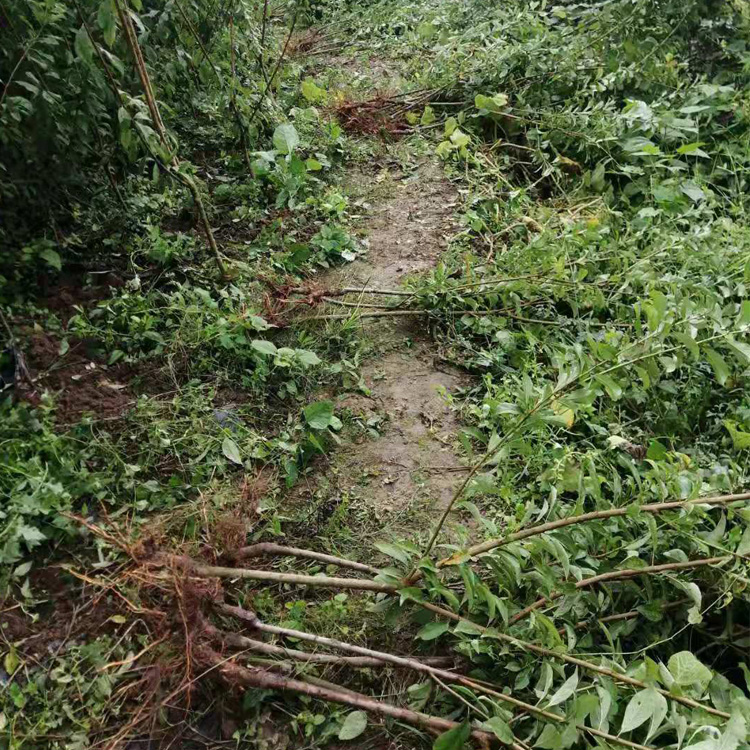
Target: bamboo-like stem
(174, 167)
(279, 550)
(234, 673)
(614, 575)
(560, 656)
(543, 528)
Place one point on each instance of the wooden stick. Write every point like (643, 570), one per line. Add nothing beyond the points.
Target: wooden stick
(260, 678)
(614, 575)
(278, 550)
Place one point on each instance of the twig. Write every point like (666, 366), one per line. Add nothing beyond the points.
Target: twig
(273, 549)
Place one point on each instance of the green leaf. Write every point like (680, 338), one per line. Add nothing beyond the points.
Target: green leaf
(740, 439)
(459, 138)
(433, 630)
(453, 739)
(500, 729)
(687, 670)
(307, 357)
(231, 451)
(734, 732)
(658, 712)
(319, 415)
(264, 347)
(392, 551)
(106, 18)
(743, 548)
(694, 149)
(639, 709)
(82, 45)
(565, 691)
(611, 386)
(428, 116)
(743, 350)
(52, 257)
(719, 365)
(312, 92)
(285, 138)
(354, 724)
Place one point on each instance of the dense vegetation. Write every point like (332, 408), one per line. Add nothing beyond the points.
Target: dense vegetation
(173, 183)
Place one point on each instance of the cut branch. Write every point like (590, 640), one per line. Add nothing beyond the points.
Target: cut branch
(292, 654)
(614, 575)
(590, 666)
(235, 674)
(214, 571)
(543, 528)
(253, 622)
(278, 550)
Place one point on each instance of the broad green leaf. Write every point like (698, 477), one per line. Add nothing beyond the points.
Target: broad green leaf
(428, 116)
(354, 724)
(312, 92)
(392, 551)
(231, 451)
(432, 630)
(744, 546)
(734, 732)
(659, 712)
(719, 365)
(319, 415)
(459, 138)
(740, 439)
(500, 729)
(453, 739)
(264, 347)
(640, 709)
(565, 690)
(82, 45)
(611, 386)
(687, 669)
(52, 257)
(307, 357)
(285, 138)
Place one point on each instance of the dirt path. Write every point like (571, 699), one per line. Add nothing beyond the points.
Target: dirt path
(412, 464)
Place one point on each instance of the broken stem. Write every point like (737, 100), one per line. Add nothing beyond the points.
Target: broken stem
(272, 549)
(614, 575)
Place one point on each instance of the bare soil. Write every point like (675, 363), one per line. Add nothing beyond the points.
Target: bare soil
(413, 463)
